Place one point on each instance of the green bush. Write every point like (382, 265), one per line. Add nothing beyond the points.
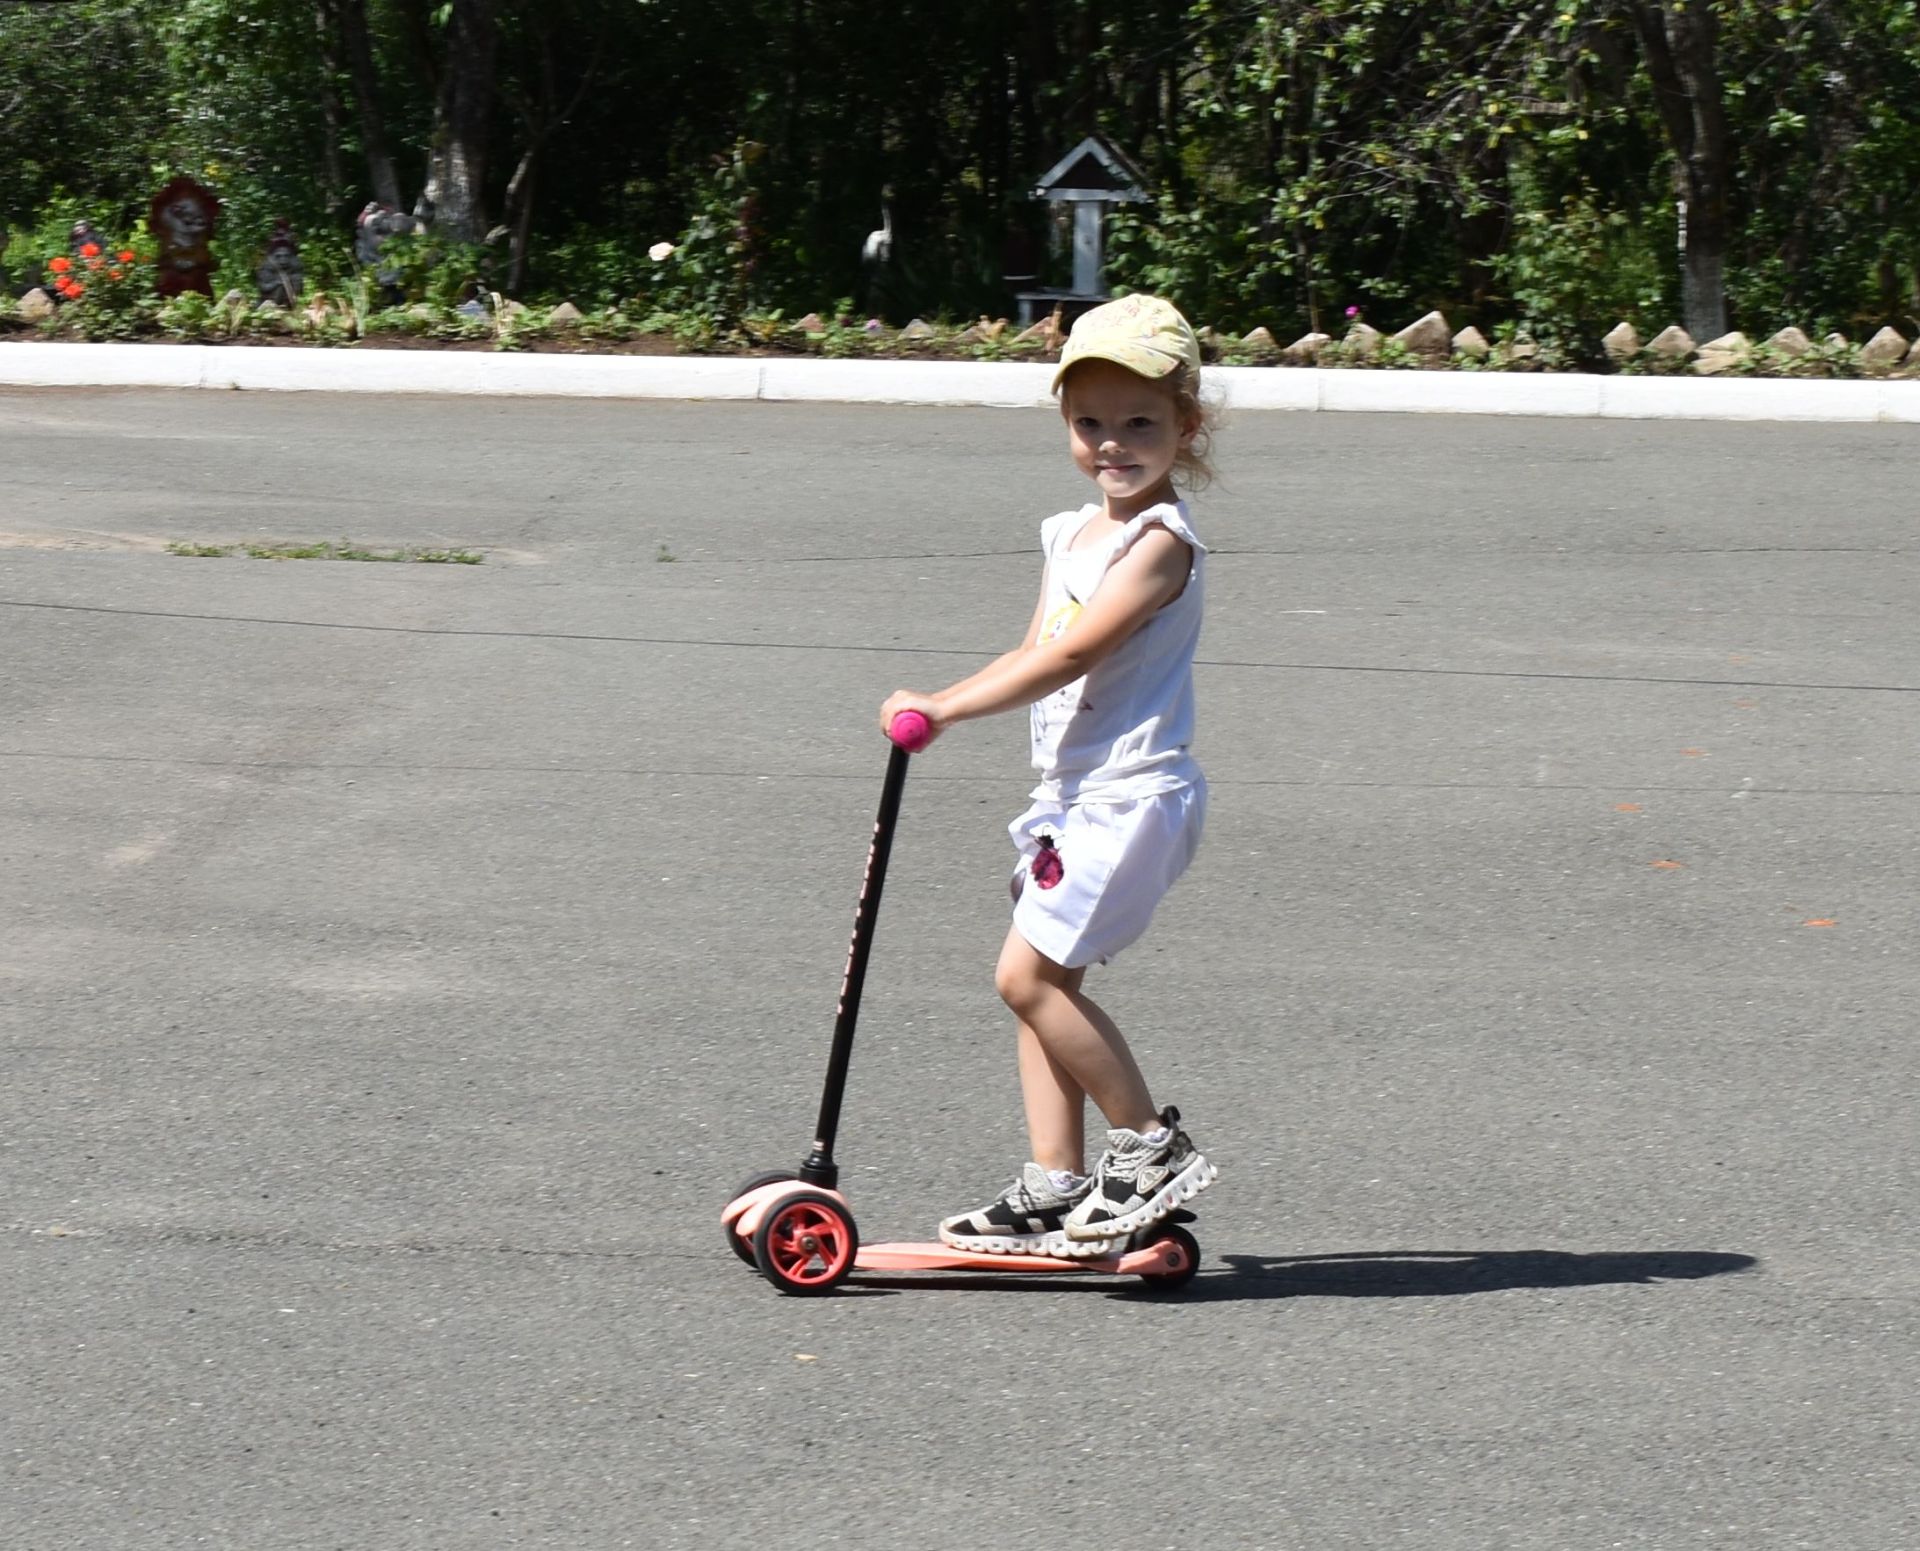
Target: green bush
(1575, 271)
(590, 269)
(108, 293)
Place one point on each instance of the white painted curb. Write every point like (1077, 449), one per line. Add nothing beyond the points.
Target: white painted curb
(999, 384)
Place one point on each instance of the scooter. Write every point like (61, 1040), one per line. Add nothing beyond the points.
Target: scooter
(797, 1228)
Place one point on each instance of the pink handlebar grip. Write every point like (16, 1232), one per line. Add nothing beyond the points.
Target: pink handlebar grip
(911, 731)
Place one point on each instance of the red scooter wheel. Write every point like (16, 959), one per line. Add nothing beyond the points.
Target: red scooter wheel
(805, 1245)
(741, 1246)
(1167, 1281)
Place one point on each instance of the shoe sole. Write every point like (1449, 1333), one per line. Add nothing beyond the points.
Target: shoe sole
(1164, 1202)
(1053, 1244)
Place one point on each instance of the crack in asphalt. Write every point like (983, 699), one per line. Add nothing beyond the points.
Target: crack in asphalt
(961, 779)
(932, 651)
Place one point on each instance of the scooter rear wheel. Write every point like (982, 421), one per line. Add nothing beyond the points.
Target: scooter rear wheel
(1167, 1281)
(741, 1246)
(805, 1245)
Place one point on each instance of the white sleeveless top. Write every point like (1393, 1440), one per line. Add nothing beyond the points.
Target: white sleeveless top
(1121, 731)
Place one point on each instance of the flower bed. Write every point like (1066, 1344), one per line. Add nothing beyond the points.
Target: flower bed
(109, 297)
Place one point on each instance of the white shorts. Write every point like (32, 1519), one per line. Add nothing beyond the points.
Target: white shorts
(1117, 859)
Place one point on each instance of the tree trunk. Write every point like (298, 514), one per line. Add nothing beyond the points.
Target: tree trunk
(456, 173)
(542, 115)
(1681, 42)
(351, 15)
(333, 174)
(519, 214)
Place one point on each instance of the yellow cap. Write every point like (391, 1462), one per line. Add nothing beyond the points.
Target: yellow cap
(1145, 334)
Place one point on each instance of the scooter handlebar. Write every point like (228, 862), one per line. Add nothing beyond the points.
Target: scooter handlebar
(910, 731)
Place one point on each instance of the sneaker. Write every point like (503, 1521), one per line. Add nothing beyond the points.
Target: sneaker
(1026, 1220)
(1136, 1184)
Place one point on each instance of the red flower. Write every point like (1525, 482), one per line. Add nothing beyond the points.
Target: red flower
(76, 290)
(116, 274)
(60, 265)
(89, 250)
(125, 255)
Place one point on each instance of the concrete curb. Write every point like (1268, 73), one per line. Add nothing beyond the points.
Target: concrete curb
(996, 384)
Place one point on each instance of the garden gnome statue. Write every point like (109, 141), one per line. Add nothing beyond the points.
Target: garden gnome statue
(376, 224)
(80, 236)
(182, 218)
(279, 276)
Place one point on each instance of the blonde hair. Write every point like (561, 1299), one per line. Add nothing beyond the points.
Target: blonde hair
(1193, 463)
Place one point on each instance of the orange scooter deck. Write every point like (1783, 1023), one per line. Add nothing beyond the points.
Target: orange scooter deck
(1164, 1258)
(1169, 1258)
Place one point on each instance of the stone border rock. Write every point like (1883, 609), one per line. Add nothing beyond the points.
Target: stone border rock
(994, 384)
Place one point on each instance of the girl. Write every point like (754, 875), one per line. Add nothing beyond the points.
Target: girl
(1107, 668)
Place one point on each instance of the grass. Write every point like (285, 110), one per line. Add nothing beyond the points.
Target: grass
(321, 551)
(346, 549)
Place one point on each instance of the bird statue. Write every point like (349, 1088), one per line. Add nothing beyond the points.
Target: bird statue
(877, 251)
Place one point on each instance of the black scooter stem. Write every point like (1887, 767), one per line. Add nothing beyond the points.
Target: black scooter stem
(819, 1168)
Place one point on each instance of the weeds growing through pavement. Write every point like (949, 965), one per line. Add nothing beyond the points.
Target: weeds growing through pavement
(346, 549)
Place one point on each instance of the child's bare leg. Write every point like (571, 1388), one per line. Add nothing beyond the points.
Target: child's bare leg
(1074, 1034)
(1056, 1108)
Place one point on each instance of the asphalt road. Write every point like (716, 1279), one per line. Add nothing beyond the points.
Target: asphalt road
(402, 963)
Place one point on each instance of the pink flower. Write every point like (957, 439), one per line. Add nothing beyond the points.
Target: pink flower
(1353, 312)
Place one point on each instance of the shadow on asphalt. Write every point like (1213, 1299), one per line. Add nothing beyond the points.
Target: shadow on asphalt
(1438, 1273)
(1409, 1273)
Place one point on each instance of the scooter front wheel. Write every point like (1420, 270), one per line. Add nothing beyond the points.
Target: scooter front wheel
(806, 1243)
(741, 1246)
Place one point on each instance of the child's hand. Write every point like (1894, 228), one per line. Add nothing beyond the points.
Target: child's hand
(906, 700)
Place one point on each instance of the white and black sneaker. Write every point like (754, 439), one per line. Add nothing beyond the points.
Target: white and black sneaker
(1137, 1183)
(1026, 1220)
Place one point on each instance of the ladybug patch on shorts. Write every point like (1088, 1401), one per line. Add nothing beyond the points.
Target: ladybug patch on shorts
(1047, 868)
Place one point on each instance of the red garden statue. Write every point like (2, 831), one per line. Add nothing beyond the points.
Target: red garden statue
(182, 218)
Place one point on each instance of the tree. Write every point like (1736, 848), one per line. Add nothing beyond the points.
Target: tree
(454, 196)
(73, 77)
(1512, 161)
(348, 19)
(1681, 39)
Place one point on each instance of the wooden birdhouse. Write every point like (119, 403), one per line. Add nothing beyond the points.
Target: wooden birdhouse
(1090, 179)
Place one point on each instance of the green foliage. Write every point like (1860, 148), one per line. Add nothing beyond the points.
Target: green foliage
(610, 324)
(188, 317)
(436, 271)
(592, 270)
(1574, 271)
(345, 549)
(79, 85)
(714, 270)
(1505, 161)
(107, 294)
(46, 239)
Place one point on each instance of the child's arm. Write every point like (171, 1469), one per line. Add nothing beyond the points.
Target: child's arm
(1142, 582)
(907, 700)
